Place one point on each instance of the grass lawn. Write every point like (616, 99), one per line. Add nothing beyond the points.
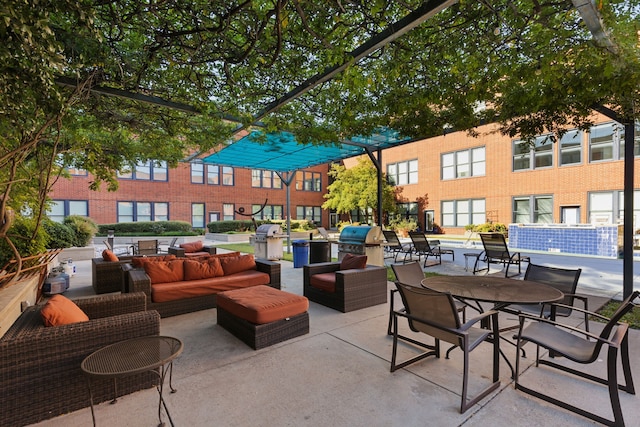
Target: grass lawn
(632, 318)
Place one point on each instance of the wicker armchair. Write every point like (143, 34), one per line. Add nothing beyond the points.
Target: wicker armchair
(354, 289)
(40, 376)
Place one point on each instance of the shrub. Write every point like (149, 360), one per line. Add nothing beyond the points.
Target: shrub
(83, 229)
(402, 225)
(490, 227)
(60, 235)
(22, 236)
(151, 228)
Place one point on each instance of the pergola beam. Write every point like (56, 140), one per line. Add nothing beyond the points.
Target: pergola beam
(389, 34)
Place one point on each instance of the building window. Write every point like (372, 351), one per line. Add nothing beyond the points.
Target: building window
(536, 156)
(269, 212)
(213, 174)
(403, 173)
(265, 179)
(227, 175)
(228, 212)
(463, 163)
(459, 213)
(408, 211)
(311, 213)
(533, 210)
(151, 170)
(309, 181)
(59, 209)
(571, 148)
(197, 215)
(606, 142)
(607, 207)
(197, 173)
(142, 211)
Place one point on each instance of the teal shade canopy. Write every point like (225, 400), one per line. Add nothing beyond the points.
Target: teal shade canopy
(281, 152)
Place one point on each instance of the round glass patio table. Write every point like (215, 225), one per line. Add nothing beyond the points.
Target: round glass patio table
(134, 356)
(497, 290)
(500, 291)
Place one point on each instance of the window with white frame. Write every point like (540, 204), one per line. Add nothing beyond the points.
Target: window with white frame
(606, 142)
(198, 215)
(227, 175)
(59, 209)
(228, 213)
(197, 172)
(213, 174)
(265, 179)
(403, 173)
(528, 156)
(607, 207)
(458, 213)
(151, 170)
(134, 211)
(533, 209)
(269, 211)
(312, 213)
(571, 148)
(309, 181)
(463, 163)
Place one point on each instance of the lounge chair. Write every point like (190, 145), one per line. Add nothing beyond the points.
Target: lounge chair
(497, 252)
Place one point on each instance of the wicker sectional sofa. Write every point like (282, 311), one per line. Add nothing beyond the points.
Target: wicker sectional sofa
(40, 375)
(108, 276)
(186, 296)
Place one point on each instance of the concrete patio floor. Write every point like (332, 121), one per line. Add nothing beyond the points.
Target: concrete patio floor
(338, 375)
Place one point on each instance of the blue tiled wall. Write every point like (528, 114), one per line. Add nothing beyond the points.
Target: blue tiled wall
(600, 240)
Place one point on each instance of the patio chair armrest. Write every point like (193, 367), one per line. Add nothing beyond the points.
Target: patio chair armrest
(581, 310)
(523, 317)
(478, 318)
(212, 250)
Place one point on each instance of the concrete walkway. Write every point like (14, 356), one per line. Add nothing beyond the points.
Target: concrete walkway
(338, 374)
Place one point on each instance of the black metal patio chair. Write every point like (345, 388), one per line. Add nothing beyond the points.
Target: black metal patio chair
(497, 252)
(435, 314)
(584, 348)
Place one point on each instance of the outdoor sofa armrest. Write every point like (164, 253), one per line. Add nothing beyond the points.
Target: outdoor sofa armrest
(112, 305)
(139, 282)
(273, 269)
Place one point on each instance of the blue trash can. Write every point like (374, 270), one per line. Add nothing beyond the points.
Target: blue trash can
(300, 253)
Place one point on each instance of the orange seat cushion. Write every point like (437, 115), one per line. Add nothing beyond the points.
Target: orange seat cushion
(324, 281)
(262, 304)
(60, 310)
(173, 291)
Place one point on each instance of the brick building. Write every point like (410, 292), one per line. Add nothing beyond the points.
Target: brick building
(466, 180)
(192, 192)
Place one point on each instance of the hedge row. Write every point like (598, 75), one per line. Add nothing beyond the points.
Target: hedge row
(248, 225)
(149, 227)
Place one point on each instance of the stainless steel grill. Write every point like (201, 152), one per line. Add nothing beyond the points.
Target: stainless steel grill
(268, 242)
(362, 240)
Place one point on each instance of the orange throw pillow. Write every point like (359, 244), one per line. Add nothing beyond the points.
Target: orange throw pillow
(107, 255)
(165, 272)
(139, 261)
(195, 270)
(191, 247)
(60, 310)
(351, 261)
(232, 265)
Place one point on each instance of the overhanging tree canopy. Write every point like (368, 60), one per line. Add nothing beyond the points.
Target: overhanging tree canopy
(532, 65)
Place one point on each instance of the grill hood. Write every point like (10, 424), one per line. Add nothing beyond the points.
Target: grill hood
(361, 234)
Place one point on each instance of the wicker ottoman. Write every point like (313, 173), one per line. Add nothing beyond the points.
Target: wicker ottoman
(262, 316)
